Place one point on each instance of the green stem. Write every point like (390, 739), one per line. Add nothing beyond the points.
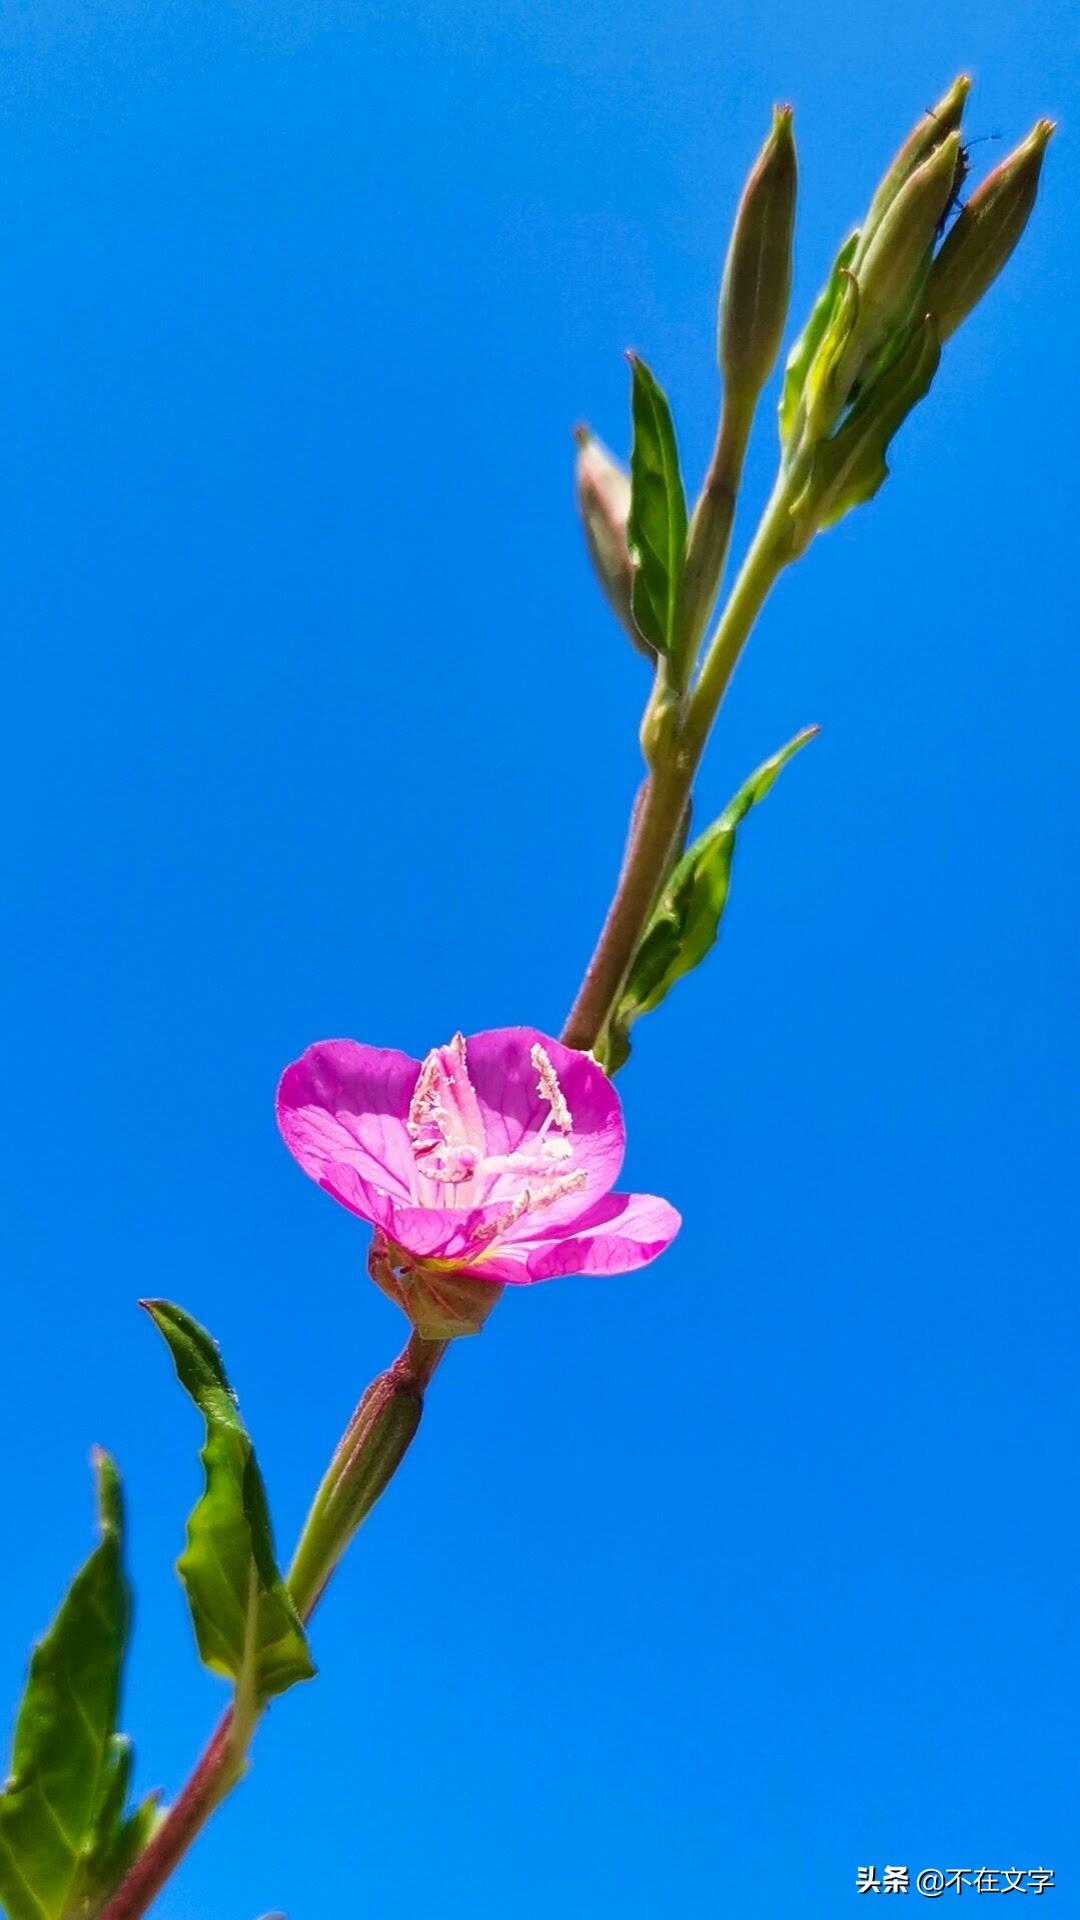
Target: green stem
(659, 813)
(710, 530)
(769, 553)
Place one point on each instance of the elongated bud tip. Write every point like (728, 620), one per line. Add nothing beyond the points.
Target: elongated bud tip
(951, 105)
(756, 285)
(941, 164)
(986, 232)
(603, 498)
(929, 131)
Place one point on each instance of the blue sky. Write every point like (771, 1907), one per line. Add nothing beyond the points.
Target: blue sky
(703, 1587)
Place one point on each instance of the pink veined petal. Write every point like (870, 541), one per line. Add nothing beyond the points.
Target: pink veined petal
(344, 1106)
(626, 1230)
(505, 1079)
(444, 1233)
(350, 1190)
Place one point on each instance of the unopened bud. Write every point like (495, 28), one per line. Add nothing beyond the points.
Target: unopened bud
(603, 498)
(934, 127)
(984, 235)
(888, 287)
(370, 1451)
(756, 286)
(850, 466)
(895, 263)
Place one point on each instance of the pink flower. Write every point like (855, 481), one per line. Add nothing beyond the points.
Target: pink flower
(493, 1159)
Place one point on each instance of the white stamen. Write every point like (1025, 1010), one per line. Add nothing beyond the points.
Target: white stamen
(530, 1201)
(424, 1108)
(566, 1183)
(557, 1148)
(549, 1089)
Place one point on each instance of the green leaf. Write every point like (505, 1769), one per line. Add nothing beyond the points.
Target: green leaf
(117, 1837)
(686, 919)
(656, 529)
(61, 1811)
(245, 1623)
(806, 346)
(850, 466)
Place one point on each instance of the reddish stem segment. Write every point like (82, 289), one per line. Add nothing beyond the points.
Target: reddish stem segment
(184, 1820)
(221, 1764)
(656, 822)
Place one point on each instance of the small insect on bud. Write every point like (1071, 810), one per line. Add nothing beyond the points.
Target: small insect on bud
(603, 498)
(756, 285)
(984, 235)
(934, 127)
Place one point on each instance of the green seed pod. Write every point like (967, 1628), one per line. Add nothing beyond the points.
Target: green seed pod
(603, 498)
(985, 233)
(934, 126)
(756, 285)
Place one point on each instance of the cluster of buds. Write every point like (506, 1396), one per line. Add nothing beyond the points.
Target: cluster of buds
(900, 286)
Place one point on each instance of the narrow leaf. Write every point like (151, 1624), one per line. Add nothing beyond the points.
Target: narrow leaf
(686, 919)
(802, 353)
(245, 1624)
(656, 529)
(68, 1781)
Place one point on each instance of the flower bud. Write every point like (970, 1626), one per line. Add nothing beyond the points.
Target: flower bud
(934, 126)
(603, 498)
(984, 235)
(850, 466)
(370, 1451)
(895, 262)
(757, 272)
(887, 289)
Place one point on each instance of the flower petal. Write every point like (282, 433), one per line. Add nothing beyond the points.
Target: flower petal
(626, 1230)
(461, 1234)
(504, 1076)
(342, 1109)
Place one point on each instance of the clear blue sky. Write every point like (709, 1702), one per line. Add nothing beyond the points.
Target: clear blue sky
(707, 1585)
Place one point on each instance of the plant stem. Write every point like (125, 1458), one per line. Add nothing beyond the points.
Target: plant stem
(659, 814)
(214, 1775)
(769, 553)
(358, 1473)
(381, 1428)
(652, 835)
(710, 528)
